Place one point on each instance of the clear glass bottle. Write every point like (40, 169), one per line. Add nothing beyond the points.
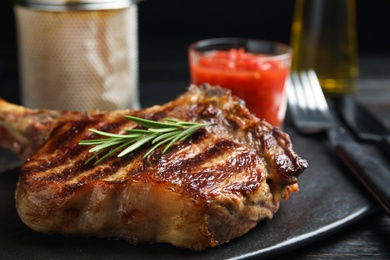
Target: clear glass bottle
(324, 39)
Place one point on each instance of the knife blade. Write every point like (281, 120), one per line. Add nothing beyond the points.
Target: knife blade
(364, 124)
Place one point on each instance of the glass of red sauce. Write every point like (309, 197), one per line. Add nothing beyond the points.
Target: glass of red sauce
(254, 70)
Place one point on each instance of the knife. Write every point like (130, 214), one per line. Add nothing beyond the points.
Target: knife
(366, 168)
(365, 125)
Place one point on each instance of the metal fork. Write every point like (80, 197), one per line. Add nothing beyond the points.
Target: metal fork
(311, 114)
(309, 108)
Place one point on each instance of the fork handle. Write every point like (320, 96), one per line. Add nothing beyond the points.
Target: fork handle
(368, 170)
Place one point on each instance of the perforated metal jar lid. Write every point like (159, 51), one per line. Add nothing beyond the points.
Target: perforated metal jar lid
(67, 5)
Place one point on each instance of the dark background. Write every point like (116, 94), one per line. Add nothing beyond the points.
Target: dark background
(187, 21)
(167, 27)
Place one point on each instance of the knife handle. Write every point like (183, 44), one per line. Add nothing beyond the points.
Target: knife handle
(368, 170)
(385, 145)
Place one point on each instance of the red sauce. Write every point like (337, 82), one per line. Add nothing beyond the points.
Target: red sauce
(254, 78)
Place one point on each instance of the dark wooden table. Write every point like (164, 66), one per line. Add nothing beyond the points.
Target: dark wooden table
(365, 239)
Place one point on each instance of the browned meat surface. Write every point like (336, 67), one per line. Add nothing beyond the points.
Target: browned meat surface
(214, 186)
(23, 131)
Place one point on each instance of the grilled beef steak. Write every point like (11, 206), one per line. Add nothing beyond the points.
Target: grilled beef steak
(204, 191)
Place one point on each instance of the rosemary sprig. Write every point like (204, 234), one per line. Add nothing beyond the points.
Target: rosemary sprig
(157, 133)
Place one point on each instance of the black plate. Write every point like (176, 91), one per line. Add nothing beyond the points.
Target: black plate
(329, 199)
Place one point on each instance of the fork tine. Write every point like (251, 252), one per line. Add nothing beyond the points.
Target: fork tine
(292, 97)
(296, 91)
(318, 94)
(308, 90)
(319, 97)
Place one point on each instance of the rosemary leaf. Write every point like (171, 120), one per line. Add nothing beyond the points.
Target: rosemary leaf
(156, 146)
(137, 131)
(190, 131)
(150, 123)
(162, 130)
(165, 136)
(92, 141)
(136, 145)
(92, 157)
(112, 152)
(112, 135)
(186, 132)
(106, 145)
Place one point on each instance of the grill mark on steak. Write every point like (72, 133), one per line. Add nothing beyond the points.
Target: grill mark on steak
(190, 164)
(200, 174)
